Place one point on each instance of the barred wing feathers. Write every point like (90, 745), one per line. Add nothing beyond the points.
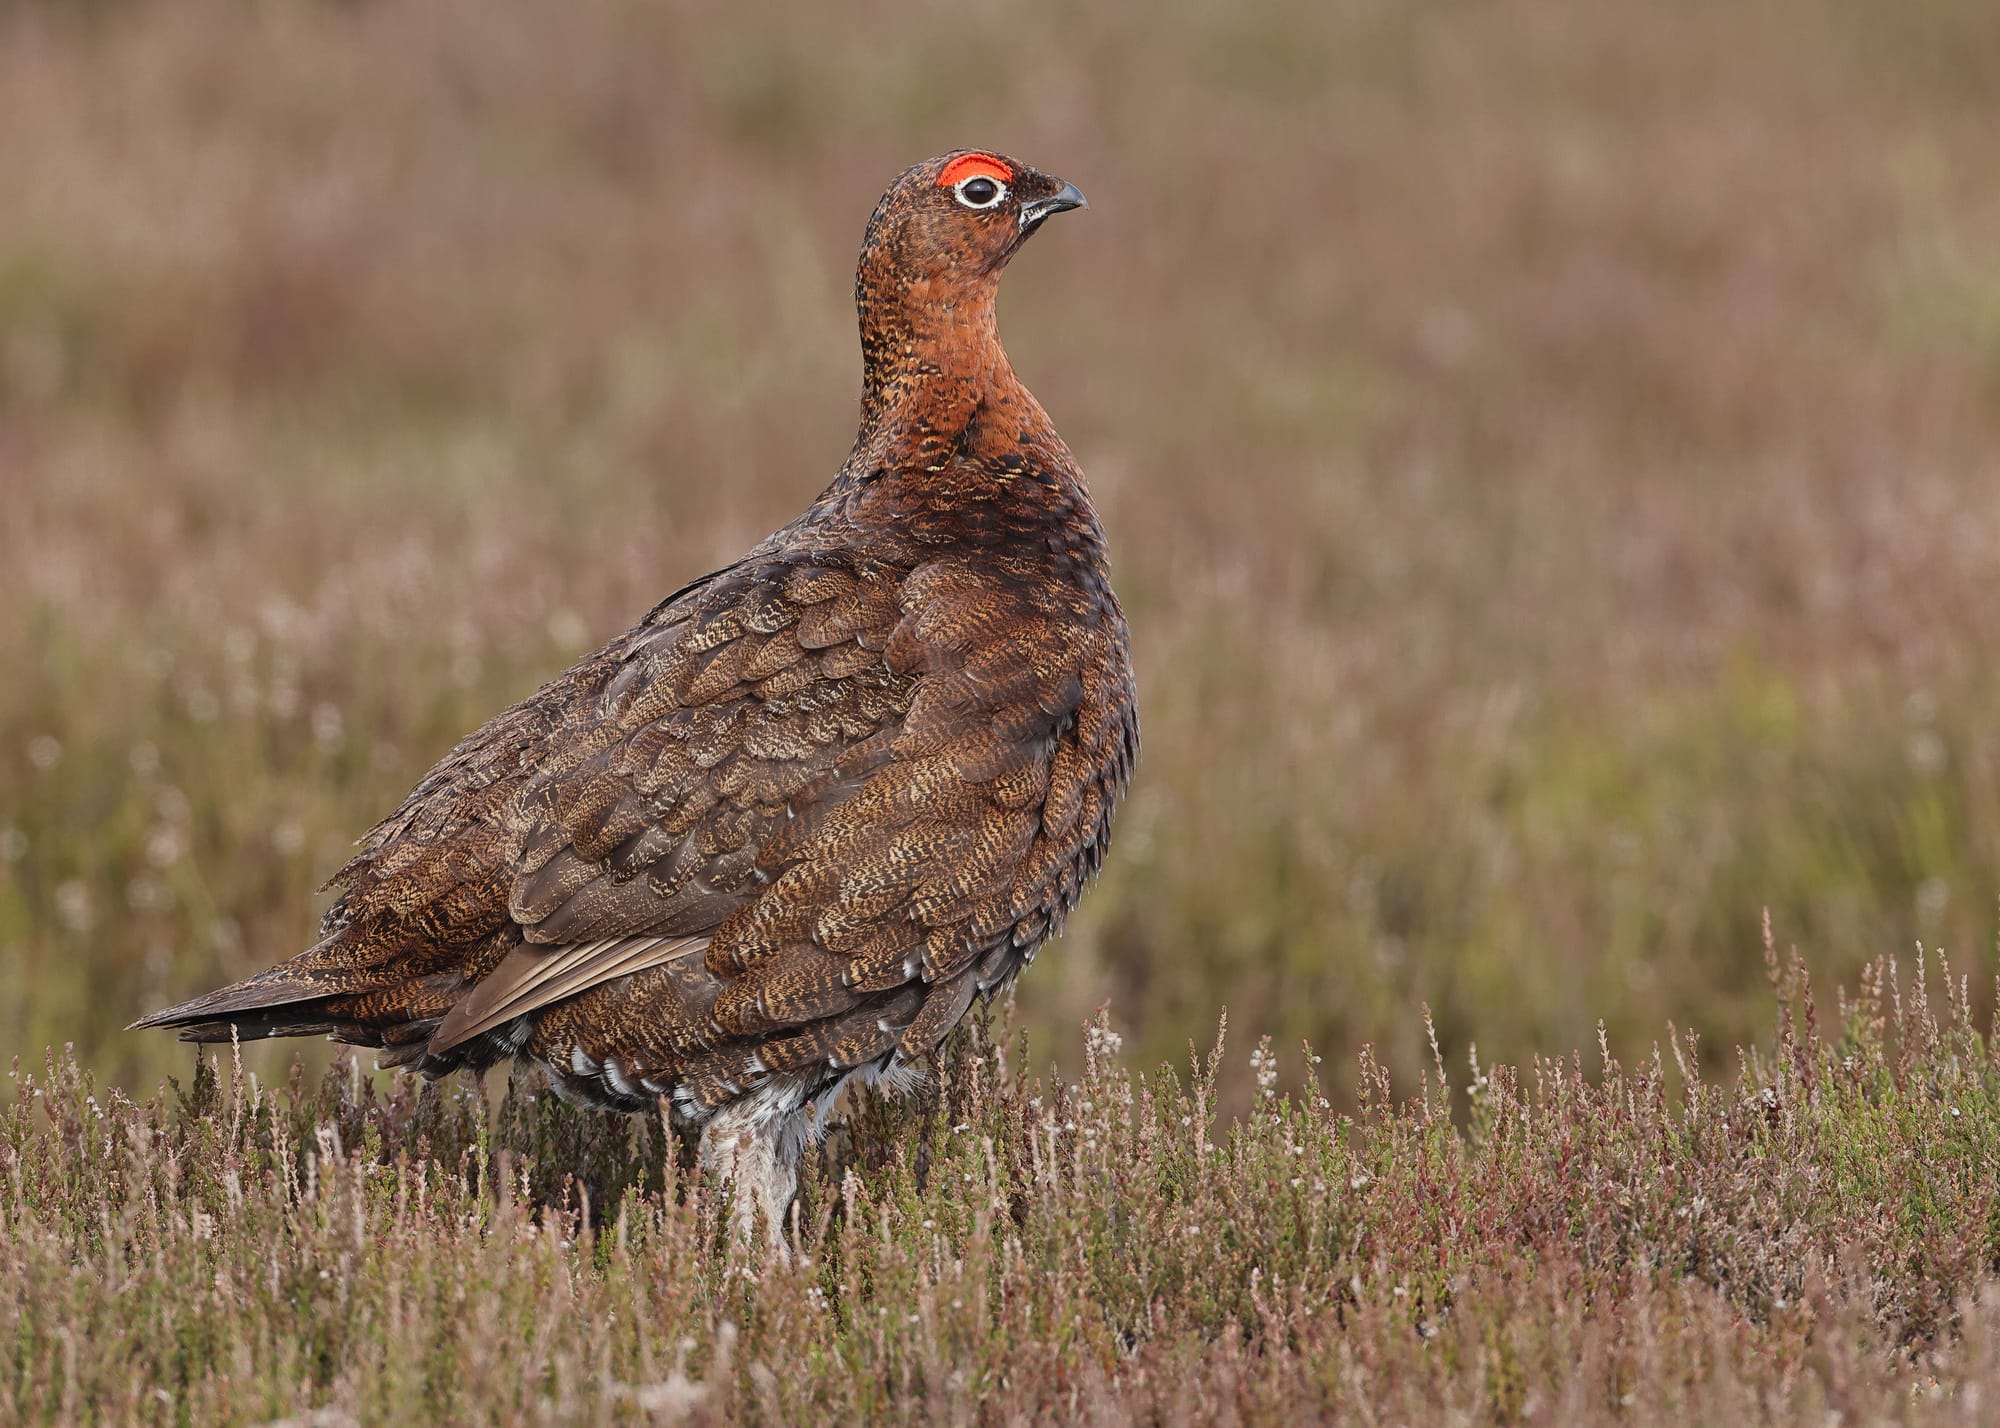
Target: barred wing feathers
(800, 815)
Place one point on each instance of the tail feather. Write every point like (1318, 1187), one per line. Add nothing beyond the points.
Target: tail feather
(364, 991)
(398, 1015)
(259, 1025)
(266, 993)
(306, 996)
(312, 976)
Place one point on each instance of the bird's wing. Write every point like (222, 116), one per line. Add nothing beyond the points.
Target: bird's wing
(925, 853)
(535, 976)
(627, 798)
(843, 782)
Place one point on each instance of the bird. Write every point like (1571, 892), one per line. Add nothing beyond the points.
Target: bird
(777, 837)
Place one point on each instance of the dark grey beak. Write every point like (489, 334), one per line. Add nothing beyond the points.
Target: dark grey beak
(1033, 212)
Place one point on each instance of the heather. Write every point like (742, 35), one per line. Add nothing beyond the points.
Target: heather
(1547, 454)
(1577, 1240)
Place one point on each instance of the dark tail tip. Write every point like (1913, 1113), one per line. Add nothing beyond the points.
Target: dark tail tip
(259, 994)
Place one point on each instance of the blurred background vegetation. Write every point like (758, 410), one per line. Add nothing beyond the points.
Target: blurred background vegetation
(1551, 450)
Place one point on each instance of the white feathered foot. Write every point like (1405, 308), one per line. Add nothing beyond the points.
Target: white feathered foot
(753, 1143)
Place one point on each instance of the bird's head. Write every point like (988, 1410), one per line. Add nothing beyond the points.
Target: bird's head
(930, 265)
(953, 222)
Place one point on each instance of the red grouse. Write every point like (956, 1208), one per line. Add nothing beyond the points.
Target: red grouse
(778, 836)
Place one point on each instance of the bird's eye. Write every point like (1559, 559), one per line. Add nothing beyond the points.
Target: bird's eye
(980, 191)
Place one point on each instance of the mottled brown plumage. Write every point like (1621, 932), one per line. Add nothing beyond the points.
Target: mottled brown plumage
(783, 831)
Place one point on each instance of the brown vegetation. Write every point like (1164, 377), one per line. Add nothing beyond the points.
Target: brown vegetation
(1809, 1242)
(1548, 447)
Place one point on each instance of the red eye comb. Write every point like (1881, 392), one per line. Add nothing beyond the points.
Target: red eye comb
(967, 166)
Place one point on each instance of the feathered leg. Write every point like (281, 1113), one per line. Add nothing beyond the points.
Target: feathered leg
(754, 1143)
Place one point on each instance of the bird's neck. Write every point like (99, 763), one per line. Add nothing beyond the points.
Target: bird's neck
(930, 359)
